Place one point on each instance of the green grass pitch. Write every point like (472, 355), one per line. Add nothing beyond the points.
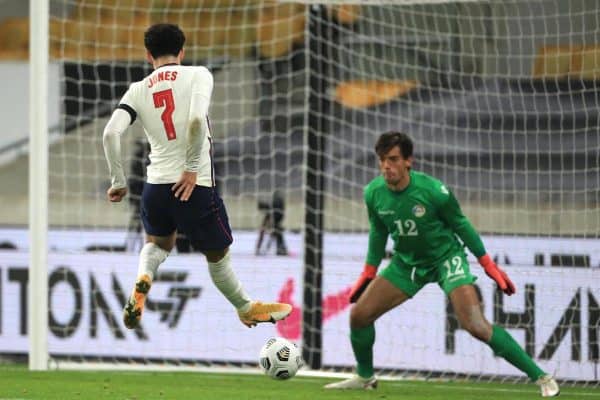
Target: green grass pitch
(16, 382)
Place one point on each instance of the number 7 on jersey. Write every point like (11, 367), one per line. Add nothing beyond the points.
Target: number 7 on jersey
(165, 98)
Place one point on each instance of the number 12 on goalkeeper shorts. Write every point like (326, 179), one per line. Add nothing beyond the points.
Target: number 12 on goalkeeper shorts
(454, 267)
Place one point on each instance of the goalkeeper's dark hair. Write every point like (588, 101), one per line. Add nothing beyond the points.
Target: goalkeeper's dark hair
(387, 141)
(164, 40)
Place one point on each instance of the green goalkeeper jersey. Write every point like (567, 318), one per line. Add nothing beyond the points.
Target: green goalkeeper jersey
(424, 221)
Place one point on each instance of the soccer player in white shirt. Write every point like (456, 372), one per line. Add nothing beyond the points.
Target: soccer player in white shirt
(179, 195)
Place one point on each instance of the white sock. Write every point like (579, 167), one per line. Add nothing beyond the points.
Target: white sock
(151, 256)
(225, 280)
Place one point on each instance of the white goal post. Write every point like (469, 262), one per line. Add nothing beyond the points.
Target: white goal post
(38, 185)
(500, 98)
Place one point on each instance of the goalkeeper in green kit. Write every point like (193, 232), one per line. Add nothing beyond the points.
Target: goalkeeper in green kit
(425, 222)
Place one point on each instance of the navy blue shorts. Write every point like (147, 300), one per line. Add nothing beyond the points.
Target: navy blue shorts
(203, 218)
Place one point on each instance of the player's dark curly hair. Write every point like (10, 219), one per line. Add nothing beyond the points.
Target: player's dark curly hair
(163, 40)
(387, 141)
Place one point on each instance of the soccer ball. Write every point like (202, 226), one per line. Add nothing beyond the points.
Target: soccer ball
(280, 358)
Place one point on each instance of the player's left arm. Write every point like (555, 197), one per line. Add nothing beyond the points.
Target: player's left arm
(111, 140)
(197, 132)
(452, 214)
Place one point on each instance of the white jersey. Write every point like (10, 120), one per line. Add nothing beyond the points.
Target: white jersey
(163, 103)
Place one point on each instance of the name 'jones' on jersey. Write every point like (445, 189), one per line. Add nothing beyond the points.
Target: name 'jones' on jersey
(162, 103)
(161, 76)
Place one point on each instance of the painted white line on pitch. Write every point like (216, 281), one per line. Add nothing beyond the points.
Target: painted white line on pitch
(305, 374)
(460, 386)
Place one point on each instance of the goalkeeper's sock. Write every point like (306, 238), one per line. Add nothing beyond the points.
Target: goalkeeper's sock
(225, 280)
(151, 256)
(506, 347)
(362, 344)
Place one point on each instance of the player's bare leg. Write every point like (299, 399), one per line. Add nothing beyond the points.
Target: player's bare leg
(379, 297)
(250, 312)
(154, 253)
(467, 307)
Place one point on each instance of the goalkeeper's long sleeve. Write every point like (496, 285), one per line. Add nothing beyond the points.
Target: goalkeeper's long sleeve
(454, 217)
(111, 139)
(378, 235)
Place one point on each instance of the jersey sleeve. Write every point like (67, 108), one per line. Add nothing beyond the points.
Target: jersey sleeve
(198, 119)
(452, 214)
(128, 103)
(201, 92)
(378, 233)
(111, 140)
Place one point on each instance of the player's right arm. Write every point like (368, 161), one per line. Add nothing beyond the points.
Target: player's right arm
(198, 130)
(118, 123)
(111, 139)
(378, 235)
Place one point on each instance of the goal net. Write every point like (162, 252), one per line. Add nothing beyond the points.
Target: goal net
(500, 97)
